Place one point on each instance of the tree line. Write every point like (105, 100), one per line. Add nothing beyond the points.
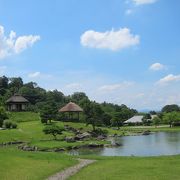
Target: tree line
(47, 103)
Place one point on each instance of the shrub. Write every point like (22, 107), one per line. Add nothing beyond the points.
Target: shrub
(53, 130)
(14, 125)
(3, 115)
(7, 124)
(100, 131)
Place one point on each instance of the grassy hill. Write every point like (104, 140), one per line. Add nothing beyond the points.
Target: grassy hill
(20, 165)
(24, 116)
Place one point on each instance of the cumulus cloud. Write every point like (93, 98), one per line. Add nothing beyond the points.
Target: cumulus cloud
(113, 40)
(24, 42)
(169, 79)
(12, 44)
(157, 67)
(113, 87)
(141, 2)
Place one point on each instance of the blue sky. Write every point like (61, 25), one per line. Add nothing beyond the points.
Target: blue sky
(120, 51)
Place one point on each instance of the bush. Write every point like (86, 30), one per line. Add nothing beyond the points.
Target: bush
(53, 130)
(14, 126)
(7, 124)
(3, 115)
(44, 121)
(100, 131)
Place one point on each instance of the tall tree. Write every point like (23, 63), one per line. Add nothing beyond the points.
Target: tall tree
(93, 114)
(3, 85)
(48, 112)
(171, 118)
(15, 84)
(170, 108)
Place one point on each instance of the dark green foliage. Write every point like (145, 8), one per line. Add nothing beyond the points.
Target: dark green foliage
(78, 96)
(156, 120)
(48, 103)
(170, 108)
(117, 120)
(48, 112)
(53, 130)
(153, 112)
(106, 119)
(147, 119)
(93, 113)
(3, 115)
(171, 118)
(15, 84)
(33, 93)
(14, 125)
(99, 131)
(3, 85)
(7, 124)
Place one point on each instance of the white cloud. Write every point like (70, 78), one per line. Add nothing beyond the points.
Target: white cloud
(2, 70)
(141, 2)
(39, 76)
(168, 79)
(157, 67)
(113, 40)
(34, 75)
(24, 42)
(113, 87)
(13, 45)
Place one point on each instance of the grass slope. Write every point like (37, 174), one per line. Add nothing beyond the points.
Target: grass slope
(21, 165)
(132, 168)
(24, 116)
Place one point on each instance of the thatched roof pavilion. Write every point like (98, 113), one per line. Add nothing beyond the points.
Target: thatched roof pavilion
(71, 108)
(17, 103)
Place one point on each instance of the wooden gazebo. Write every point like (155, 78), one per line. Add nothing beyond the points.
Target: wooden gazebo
(17, 103)
(71, 108)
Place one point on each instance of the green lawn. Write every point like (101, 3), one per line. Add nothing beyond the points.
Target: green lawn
(16, 164)
(30, 128)
(27, 131)
(151, 128)
(20, 165)
(131, 168)
(23, 116)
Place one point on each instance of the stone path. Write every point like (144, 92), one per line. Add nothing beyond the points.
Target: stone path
(71, 170)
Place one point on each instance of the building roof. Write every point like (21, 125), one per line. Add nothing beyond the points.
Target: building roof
(134, 119)
(71, 107)
(137, 118)
(17, 99)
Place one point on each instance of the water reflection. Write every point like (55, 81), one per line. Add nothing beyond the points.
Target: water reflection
(161, 143)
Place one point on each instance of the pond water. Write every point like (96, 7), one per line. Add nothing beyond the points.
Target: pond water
(160, 143)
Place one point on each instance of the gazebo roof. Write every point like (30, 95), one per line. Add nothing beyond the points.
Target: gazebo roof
(71, 107)
(17, 99)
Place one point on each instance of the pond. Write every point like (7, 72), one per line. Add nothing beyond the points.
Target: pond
(160, 143)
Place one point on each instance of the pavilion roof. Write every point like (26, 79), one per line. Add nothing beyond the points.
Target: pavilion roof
(17, 99)
(71, 107)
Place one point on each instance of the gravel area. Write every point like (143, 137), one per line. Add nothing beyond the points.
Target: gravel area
(71, 170)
